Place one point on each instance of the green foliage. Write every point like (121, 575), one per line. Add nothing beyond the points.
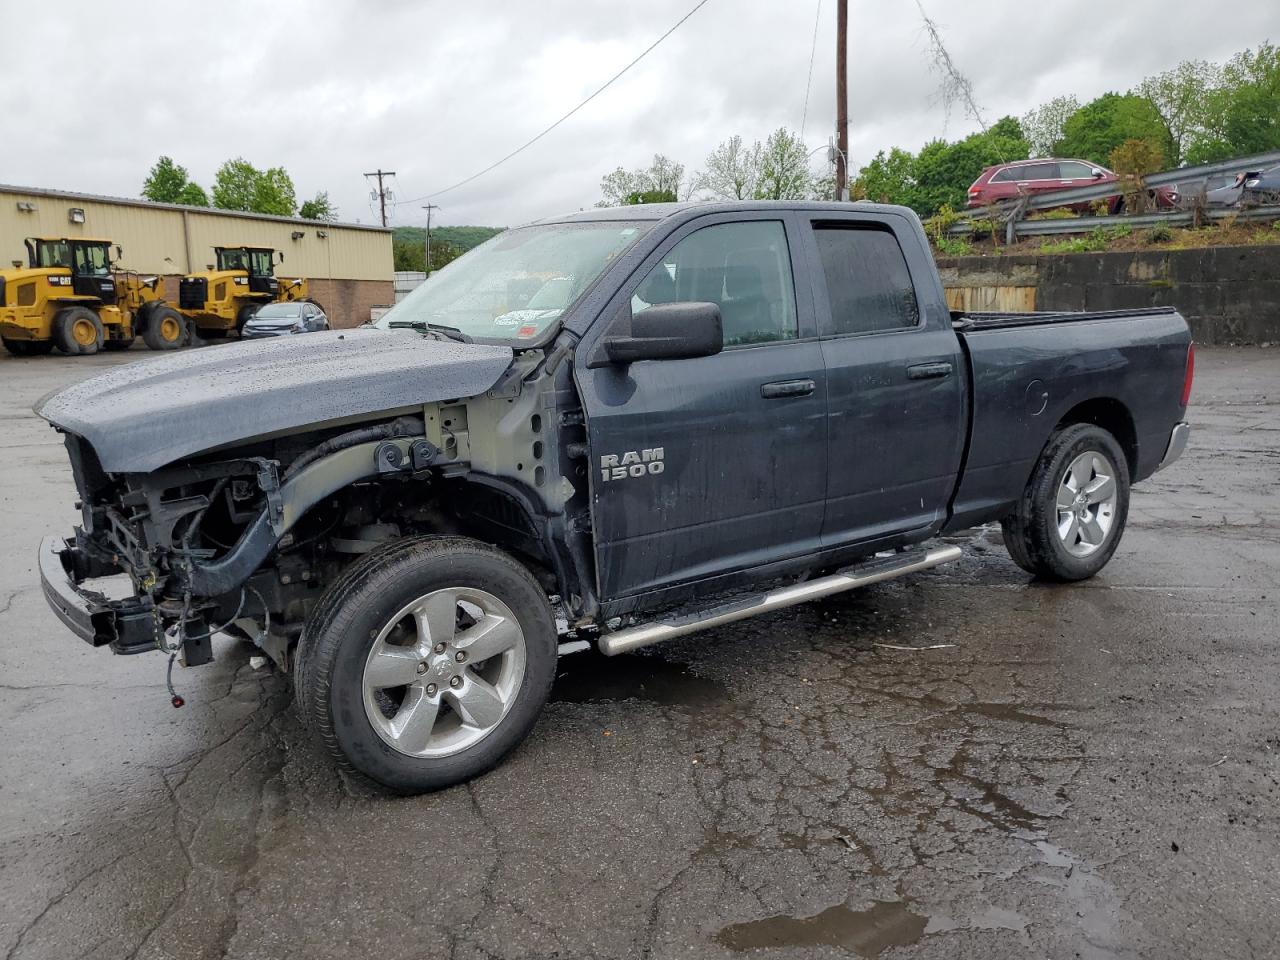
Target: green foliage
(1244, 110)
(408, 244)
(318, 207)
(888, 178)
(168, 182)
(239, 185)
(1096, 241)
(1101, 125)
(954, 246)
(1181, 97)
(733, 170)
(663, 174)
(1058, 213)
(942, 172)
(784, 168)
(650, 196)
(463, 238)
(1159, 234)
(1137, 158)
(410, 256)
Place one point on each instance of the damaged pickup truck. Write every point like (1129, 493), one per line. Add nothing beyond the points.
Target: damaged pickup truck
(615, 428)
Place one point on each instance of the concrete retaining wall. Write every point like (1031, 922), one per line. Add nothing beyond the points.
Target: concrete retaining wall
(1227, 294)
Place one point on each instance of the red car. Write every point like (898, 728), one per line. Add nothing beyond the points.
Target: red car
(1007, 181)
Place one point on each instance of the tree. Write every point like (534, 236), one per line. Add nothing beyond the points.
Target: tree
(1137, 158)
(239, 185)
(733, 170)
(784, 168)
(1181, 97)
(1244, 111)
(888, 178)
(1101, 125)
(168, 182)
(318, 208)
(663, 175)
(649, 196)
(944, 171)
(1043, 125)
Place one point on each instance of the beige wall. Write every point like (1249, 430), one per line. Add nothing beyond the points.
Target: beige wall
(157, 238)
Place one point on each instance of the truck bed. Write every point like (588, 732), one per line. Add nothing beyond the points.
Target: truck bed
(1029, 372)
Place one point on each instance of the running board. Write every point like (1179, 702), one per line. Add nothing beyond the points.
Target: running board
(864, 574)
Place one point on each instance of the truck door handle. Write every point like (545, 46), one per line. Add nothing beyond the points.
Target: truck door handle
(786, 388)
(928, 371)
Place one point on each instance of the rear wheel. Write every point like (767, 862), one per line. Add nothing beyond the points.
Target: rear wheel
(427, 662)
(166, 329)
(1069, 520)
(77, 331)
(28, 348)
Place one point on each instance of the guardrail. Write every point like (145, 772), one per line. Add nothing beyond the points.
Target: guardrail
(1011, 212)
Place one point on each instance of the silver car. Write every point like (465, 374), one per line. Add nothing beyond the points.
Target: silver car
(283, 319)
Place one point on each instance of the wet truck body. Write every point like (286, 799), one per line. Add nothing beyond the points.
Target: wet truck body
(610, 429)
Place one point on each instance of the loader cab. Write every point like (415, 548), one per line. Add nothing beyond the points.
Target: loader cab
(88, 260)
(257, 262)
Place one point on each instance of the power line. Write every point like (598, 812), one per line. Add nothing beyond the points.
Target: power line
(698, 6)
(817, 18)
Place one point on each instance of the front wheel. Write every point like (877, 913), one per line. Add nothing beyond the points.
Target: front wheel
(77, 331)
(1071, 516)
(427, 662)
(166, 328)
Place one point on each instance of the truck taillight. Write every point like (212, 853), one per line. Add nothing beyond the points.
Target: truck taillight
(1189, 375)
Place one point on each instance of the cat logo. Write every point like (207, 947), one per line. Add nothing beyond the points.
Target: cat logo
(633, 464)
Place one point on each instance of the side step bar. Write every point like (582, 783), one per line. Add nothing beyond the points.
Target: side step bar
(864, 574)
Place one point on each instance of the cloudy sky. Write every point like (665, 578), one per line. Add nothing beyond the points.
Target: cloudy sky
(438, 89)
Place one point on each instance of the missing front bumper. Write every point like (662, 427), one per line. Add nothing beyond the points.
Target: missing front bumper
(127, 626)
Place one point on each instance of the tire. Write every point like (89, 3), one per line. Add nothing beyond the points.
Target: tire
(1071, 538)
(449, 720)
(77, 331)
(244, 315)
(28, 348)
(166, 328)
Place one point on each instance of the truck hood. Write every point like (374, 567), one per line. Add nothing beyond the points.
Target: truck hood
(142, 416)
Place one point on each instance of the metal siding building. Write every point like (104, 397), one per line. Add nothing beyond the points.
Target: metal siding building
(349, 265)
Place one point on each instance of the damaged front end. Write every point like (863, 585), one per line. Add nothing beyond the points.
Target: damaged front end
(192, 541)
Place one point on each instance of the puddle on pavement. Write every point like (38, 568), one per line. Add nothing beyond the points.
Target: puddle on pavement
(1008, 711)
(591, 677)
(866, 932)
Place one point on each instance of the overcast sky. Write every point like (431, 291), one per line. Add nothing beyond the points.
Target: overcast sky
(438, 90)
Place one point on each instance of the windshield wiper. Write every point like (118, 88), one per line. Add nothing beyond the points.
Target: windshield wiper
(446, 332)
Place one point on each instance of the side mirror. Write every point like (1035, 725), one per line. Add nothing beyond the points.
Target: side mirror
(280, 254)
(1098, 174)
(669, 331)
(119, 252)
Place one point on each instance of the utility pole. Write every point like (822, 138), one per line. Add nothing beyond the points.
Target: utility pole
(427, 262)
(382, 193)
(842, 100)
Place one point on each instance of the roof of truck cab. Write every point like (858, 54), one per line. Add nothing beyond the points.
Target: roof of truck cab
(664, 211)
(70, 240)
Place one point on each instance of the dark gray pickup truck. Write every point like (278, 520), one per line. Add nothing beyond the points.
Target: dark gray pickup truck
(613, 428)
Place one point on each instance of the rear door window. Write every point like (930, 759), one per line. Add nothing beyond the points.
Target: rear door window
(869, 287)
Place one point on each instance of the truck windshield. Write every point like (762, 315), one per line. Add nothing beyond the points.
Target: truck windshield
(233, 260)
(517, 285)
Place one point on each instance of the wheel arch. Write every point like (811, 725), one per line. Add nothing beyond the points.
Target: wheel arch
(1111, 415)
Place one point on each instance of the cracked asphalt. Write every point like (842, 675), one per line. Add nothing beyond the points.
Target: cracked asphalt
(1051, 771)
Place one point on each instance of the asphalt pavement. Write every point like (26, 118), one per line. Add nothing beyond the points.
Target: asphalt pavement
(963, 763)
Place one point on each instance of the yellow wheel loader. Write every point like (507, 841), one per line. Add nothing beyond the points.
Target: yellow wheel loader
(225, 297)
(71, 295)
